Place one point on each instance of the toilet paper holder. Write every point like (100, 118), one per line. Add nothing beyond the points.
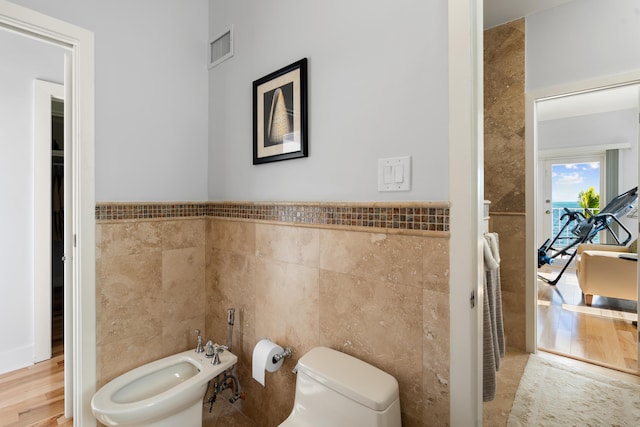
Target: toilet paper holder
(279, 356)
(267, 357)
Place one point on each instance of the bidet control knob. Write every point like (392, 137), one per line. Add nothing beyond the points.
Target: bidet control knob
(209, 352)
(199, 348)
(216, 353)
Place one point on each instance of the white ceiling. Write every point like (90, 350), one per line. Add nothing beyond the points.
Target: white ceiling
(498, 12)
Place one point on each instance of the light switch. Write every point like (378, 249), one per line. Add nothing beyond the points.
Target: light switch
(394, 174)
(388, 174)
(399, 173)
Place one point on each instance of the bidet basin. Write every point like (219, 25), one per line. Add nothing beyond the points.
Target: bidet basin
(156, 382)
(166, 392)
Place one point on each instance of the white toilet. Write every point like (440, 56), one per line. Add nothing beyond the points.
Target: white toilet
(335, 389)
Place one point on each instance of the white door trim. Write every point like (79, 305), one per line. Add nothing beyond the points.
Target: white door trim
(638, 270)
(584, 150)
(80, 170)
(44, 93)
(466, 193)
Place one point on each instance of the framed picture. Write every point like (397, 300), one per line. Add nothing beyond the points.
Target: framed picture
(280, 115)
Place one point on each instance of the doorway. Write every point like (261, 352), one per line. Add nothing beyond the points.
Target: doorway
(80, 266)
(587, 141)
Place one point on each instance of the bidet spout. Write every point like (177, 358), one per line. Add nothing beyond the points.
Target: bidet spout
(209, 352)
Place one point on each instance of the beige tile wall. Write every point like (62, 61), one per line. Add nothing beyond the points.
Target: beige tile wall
(512, 267)
(504, 165)
(150, 288)
(382, 297)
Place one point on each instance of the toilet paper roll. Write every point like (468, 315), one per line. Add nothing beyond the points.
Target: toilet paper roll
(263, 354)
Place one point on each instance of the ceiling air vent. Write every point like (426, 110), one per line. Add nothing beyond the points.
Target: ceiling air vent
(221, 49)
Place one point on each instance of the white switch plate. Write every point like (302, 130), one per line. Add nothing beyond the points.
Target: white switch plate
(394, 174)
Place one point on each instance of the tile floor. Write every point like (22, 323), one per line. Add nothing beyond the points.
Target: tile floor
(225, 414)
(496, 412)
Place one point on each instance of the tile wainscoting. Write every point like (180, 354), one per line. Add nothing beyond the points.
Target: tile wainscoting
(421, 216)
(303, 274)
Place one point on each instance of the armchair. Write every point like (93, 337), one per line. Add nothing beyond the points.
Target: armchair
(607, 270)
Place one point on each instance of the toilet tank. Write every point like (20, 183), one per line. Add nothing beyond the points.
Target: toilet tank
(333, 388)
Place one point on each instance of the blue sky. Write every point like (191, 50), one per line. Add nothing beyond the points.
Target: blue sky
(568, 180)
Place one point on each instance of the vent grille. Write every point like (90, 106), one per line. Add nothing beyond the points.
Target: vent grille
(221, 49)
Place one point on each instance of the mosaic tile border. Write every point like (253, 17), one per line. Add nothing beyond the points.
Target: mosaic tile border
(422, 216)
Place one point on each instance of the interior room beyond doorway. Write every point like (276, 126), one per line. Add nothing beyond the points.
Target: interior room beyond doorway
(593, 127)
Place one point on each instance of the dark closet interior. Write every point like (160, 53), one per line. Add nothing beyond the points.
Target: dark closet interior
(57, 227)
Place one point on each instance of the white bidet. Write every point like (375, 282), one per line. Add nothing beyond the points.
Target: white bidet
(163, 393)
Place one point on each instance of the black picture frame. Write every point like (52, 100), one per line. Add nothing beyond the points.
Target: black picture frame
(280, 126)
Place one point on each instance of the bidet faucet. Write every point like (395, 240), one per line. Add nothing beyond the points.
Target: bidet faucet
(199, 348)
(217, 349)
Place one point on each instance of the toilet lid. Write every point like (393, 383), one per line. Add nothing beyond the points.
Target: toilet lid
(351, 377)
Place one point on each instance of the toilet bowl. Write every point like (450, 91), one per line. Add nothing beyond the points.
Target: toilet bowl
(335, 389)
(163, 393)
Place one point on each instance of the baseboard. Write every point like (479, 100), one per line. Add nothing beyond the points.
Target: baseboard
(16, 358)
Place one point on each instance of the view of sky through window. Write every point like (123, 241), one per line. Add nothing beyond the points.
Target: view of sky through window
(569, 179)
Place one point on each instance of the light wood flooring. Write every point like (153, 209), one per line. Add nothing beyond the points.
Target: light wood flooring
(602, 334)
(34, 396)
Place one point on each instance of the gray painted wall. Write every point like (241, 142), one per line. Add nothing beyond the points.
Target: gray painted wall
(581, 40)
(377, 88)
(151, 95)
(29, 60)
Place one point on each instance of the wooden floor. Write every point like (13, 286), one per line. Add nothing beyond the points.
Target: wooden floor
(34, 396)
(602, 334)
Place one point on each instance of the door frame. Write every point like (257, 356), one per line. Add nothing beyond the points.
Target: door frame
(531, 155)
(466, 195)
(79, 99)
